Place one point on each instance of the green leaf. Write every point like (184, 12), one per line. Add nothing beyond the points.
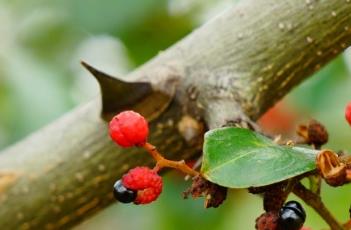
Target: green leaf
(241, 158)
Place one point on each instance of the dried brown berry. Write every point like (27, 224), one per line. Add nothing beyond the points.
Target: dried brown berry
(314, 133)
(317, 133)
(214, 194)
(331, 169)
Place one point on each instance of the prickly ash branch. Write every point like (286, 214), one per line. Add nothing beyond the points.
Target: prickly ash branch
(240, 63)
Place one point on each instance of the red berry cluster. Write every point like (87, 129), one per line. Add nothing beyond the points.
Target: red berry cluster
(140, 185)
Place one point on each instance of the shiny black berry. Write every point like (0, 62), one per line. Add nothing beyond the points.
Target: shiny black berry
(122, 194)
(296, 206)
(291, 216)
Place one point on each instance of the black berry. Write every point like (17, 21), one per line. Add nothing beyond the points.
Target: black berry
(296, 206)
(122, 194)
(291, 216)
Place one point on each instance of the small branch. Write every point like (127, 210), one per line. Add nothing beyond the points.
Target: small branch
(316, 180)
(315, 184)
(316, 203)
(163, 162)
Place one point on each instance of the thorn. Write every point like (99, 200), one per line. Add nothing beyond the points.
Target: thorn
(118, 95)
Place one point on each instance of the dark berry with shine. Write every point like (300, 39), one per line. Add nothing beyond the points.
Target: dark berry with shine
(122, 194)
(297, 207)
(291, 216)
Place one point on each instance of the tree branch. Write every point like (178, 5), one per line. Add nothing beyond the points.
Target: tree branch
(252, 54)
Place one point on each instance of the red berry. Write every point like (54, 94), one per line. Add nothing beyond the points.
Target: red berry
(305, 228)
(348, 113)
(128, 129)
(144, 180)
(267, 221)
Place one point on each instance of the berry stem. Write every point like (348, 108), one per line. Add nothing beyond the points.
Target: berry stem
(163, 162)
(152, 150)
(315, 201)
(180, 165)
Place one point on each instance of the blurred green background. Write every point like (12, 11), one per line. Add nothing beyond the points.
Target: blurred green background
(42, 42)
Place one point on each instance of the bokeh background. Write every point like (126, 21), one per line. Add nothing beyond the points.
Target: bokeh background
(42, 42)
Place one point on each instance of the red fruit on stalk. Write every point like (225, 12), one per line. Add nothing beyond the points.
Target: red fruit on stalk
(129, 129)
(348, 113)
(267, 221)
(146, 182)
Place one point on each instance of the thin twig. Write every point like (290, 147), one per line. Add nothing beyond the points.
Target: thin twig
(315, 184)
(316, 203)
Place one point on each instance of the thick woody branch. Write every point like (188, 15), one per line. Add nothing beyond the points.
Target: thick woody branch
(250, 56)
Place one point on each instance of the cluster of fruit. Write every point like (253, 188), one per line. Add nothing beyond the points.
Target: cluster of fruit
(140, 185)
(290, 217)
(143, 185)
